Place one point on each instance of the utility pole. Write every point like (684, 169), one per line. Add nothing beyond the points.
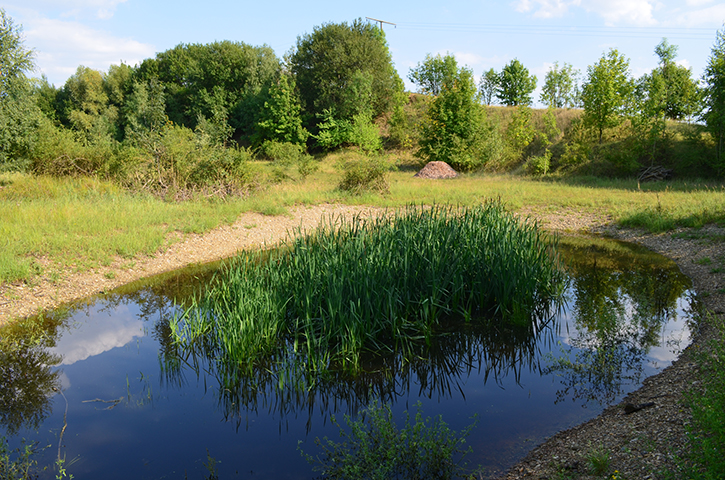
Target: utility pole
(381, 22)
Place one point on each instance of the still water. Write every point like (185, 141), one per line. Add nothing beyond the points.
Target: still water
(102, 386)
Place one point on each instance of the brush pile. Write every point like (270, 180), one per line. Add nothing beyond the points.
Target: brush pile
(436, 170)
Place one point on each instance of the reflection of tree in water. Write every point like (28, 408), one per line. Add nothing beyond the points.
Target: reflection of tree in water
(283, 385)
(622, 304)
(28, 382)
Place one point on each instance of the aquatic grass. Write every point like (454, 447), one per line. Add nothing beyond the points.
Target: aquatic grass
(381, 284)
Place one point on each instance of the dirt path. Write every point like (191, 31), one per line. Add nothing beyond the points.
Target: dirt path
(250, 231)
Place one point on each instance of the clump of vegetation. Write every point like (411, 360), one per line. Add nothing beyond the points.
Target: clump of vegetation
(707, 401)
(381, 285)
(374, 448)
(364, 174)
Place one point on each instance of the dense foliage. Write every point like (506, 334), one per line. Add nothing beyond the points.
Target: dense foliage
(346, 68)
(338, 88)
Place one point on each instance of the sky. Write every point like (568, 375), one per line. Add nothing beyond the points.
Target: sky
(481, 34)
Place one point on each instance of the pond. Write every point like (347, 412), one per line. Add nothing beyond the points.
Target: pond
(101, 384)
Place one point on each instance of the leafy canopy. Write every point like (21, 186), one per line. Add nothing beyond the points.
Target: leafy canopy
(18, 112)
(560, 87)
(455, 129)
(607, 92)
(515, 85)
(338, 59)
(431, 74)
(714, 99)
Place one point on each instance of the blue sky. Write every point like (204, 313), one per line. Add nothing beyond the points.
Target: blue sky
(481, 34)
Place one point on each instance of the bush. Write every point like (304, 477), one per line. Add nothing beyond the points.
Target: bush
(364, 174)
(286, 156)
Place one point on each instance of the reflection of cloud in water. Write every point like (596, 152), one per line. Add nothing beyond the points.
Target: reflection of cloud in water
(98, 333)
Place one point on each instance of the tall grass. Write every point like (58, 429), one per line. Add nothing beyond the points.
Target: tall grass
(378, 285)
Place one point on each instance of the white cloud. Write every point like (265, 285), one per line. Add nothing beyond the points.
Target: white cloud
(636, 12)
(545, 8)
(62, 46)
(703, 16)
(103, 9)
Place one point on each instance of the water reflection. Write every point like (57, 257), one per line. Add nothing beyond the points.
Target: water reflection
(622, 306)
(27, 378)
(283, 386)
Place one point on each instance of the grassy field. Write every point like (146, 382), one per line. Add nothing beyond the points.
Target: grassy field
(48, 224)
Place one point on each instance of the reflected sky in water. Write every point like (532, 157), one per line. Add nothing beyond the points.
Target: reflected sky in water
(138, 408)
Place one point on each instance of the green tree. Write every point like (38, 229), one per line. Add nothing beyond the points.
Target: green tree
(19, 115)
(337, 57)
(681, 94)
(221, 81)
(714, 100)
(560, 87)
(456, 130)
(431, 74)
(487, 86)
(515, 84)
(280, 119)
(607, 92)
(84, 105)
(145, 113)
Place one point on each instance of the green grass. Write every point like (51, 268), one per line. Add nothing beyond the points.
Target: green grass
(704, 460)
(378, 285)
(82, 223)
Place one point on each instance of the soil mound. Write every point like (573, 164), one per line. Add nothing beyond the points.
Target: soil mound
(436, 170)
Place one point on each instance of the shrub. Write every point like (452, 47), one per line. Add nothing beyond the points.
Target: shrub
(364, 174)
(286, 156)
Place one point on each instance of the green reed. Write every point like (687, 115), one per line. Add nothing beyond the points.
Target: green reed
(381, 284)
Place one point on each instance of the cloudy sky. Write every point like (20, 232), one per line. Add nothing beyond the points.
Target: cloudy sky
(482, 34)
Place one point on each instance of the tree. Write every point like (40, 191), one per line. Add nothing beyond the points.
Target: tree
(607, 92)
(433, 73)
(681, 96)
(488, 85)
(280, 119)
(19, 115)
(714, 98)
(515, 84)
(456, 130)
(336, 57)
(560, 87)
(145, 113)
(84, 105)
(668, 92)
(225, 81)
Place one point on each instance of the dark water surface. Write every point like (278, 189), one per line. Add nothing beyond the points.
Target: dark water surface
(134, 407)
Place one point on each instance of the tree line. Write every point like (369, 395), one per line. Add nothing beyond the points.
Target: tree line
(190, 118)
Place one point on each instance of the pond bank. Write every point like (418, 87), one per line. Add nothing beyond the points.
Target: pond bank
(642, 443)
(638, 444)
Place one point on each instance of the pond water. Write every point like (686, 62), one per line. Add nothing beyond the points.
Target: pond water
(103, 387)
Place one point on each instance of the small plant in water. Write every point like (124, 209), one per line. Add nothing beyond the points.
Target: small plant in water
(372, 447)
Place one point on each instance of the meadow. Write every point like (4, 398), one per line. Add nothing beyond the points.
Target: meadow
(52, 225)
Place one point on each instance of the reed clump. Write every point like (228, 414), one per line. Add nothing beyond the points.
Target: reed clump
(385, 285)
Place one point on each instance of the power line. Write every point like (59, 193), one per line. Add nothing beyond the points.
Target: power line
(568, 30)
